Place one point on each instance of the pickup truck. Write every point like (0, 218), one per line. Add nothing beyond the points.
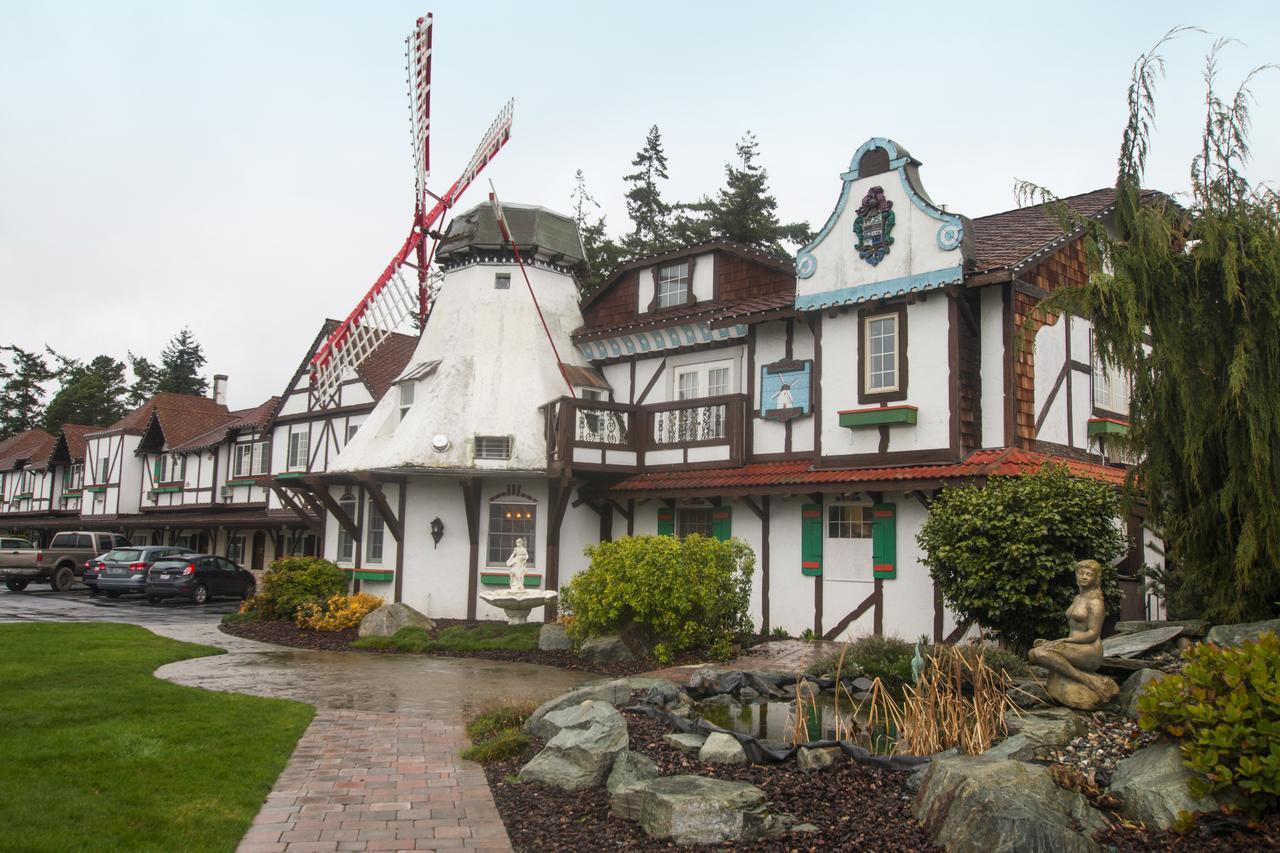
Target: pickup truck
(16, 553)
(63, 560)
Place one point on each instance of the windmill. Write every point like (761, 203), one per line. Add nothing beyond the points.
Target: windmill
(392, 298)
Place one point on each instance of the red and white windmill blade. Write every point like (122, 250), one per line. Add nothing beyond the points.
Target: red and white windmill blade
(393, 300)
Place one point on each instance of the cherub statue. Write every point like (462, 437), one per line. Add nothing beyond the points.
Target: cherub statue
(517, 563)
(1073, 661)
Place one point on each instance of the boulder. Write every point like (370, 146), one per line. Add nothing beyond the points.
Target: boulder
(722, 748)
(1234, 635)
(916, 777)
(1035, 733)
(390, 618)
(818, 758)
(579, 758)
(690, 742)
(1152, 784)
(606, 649)
(665, 695)
(1028, 693)
(695, 809)
(1132, 689)
(1132, 645)
(1190, 627)
(554, 638)
(630, 770)
(616, 691)
(975, 804)
(578, 716)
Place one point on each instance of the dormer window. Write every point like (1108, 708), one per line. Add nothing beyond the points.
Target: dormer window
(673, 285)
(882, 374)
(1110, 386)
(406, 398)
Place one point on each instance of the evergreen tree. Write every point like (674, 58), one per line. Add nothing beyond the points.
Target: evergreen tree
(650, 215)
(743, 210)
(1187, 301)
(602, 253)
(145, 378)
(180, 364)
(22, 392)
(91, 394)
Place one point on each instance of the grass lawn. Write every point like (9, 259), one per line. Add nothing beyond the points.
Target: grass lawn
(97, 753)
(459, 638)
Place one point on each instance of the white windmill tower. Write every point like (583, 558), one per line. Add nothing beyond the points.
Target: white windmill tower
(393, 299)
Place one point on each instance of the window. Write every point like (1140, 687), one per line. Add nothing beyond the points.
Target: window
(168, 467)
(493, 447)
(845, 521)
(104, 471)
(346, 543)
(235, 549)
(73, 477)
(673, 285)
(406, 398)
(507, 523)
(693, 520)
(373, 539)
(1110, 386)
(502, 281)
(299, 450)
(251, 459)
(352, 429)
(882, 353)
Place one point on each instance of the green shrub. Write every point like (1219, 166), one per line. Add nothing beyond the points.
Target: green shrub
(412, 640)
(291, 582)
(509, 743)
(1004, 554)
(687, 593)
(497, 636)
(1225, 707)
(495, 732)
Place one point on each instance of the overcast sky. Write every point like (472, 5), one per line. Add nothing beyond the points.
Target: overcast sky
(243, 167)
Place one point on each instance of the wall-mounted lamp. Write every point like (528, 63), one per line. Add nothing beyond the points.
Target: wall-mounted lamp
(437, 530)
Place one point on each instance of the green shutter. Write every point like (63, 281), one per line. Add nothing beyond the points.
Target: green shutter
(884, 540)
(722, 523)
(811, 539)
(157, 469)
(666, 522)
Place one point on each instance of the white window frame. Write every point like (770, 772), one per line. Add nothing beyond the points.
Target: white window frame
(701, 370)
(1110, 387)
(857, 526)
(346, 542)
(505, 539)
(868, 338)
(673, 290)
(299, 446)
(173, 467)
(75, 477)
(374, 535)
(406, 398)
(104, 469)
(255, 452)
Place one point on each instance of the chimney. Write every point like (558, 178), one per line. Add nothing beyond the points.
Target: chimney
(220, 388)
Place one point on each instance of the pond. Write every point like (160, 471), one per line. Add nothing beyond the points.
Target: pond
(772, 722)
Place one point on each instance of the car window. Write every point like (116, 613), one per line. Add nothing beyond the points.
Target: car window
(84, 540)
(63, 540)
(22, 544)
(121, 555)
(106, 543)
(227, 565)
(169, 563)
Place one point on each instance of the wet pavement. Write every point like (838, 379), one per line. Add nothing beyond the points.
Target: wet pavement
(438, 687)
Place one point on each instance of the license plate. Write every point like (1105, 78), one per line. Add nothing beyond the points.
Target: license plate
(115, 572)
(164, 577)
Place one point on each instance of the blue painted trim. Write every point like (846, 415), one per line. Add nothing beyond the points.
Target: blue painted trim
(806, 263)
(919, 202)
(896, 158)
(881, 289)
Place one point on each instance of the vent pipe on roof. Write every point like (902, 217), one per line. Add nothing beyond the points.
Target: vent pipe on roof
(220, 388)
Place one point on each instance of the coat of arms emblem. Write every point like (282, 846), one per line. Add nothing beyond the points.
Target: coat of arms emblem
(874, 226)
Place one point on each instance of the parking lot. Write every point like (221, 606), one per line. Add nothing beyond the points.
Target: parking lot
(39, 603)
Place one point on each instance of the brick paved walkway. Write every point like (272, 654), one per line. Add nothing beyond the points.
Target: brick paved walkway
(366, 781)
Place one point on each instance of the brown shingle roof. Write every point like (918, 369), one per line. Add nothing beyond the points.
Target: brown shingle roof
(1014, 238)
(182, 417)
(253, 419)
(387, 362)
(26, 449)
(74, 435)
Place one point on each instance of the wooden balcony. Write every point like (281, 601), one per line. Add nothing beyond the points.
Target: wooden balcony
(596, 435)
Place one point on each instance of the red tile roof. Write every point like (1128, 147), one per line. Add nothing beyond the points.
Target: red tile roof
(26, 449)
(1011, 239)
(1006, 461)
(182, 417)
(384, 364)
(252, 419)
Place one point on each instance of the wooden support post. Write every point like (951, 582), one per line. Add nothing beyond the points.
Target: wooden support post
(399, 585)
(347, 522)
(877, 615)
(631, 517)
(390, 519)
(764, 562)
(937, 613)
(558, 494)
(606, 522)
(471, 500)
(307, 518)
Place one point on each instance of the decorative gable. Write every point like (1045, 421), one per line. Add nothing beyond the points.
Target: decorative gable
(885, 237)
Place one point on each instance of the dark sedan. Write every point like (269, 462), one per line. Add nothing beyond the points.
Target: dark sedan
(198, 577)
(124, 570)
(91, 570)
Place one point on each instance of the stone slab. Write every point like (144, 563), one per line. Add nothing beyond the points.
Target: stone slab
(1132, 645)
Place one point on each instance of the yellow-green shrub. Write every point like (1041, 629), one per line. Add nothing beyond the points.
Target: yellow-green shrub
(687, 593)
(291, 582)
(1225, 707)
(338, 612)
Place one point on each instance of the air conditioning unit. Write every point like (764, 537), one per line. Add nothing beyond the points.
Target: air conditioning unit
(228, 492)
(152, 497)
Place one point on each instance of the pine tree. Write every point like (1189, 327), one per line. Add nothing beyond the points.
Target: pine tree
(145, 378)
(743, 210)
(91, 394)
(180, 364)
(650, 215)
(22, 392)
(1187, 301)
(602, 253)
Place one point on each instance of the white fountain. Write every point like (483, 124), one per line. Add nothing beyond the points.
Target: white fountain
(516, 601)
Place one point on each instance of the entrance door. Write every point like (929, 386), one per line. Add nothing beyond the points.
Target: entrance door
(259, 550)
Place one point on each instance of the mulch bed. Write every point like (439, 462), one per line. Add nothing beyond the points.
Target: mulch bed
(288, 634)
(1212, 833)
(855, 807)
